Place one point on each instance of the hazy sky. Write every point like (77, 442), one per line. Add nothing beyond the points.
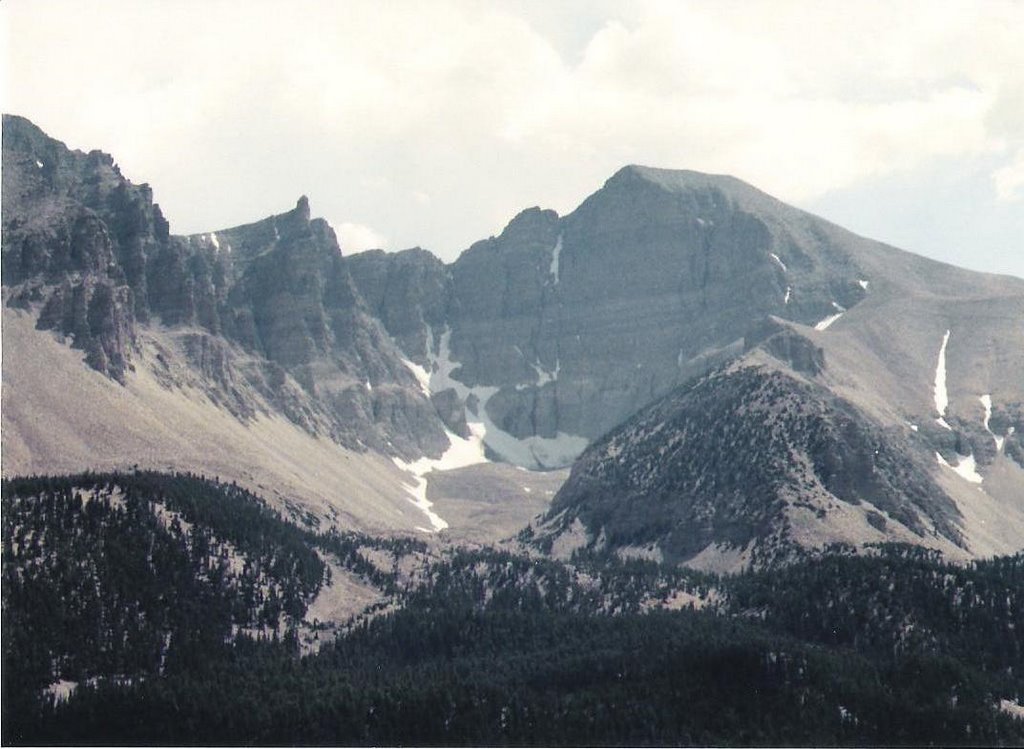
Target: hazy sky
(433, 123)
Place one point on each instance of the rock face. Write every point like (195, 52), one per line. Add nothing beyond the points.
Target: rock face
(561, 328)
(575, 323)
(408, 291)
(94, 253)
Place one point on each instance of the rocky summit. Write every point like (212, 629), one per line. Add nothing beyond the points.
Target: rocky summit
(729, 377)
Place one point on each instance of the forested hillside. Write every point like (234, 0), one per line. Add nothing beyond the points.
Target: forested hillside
(173, 603)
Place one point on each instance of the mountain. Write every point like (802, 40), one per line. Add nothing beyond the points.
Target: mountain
(246, 353)
(896, 419)
(887, 386)
(264, 312)
(321, 498)
(741, 378)
(549, 324)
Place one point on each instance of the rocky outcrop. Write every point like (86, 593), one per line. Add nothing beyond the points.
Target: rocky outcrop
(94, 254)
(409, 292)
(98, 315)
(787, 345)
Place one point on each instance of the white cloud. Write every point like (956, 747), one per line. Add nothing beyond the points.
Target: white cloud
(491, 107)
(357, 237)
(1010, 180)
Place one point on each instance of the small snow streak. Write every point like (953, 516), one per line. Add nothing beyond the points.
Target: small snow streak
(556, 253)
(941, 394)
(824, 324)
(420, 374)
(39, 163)
(543, 377)
(778, 260)
(986, 401)
(789, 293)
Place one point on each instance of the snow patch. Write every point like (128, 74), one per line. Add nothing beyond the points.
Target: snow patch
(63, 689)
(941, 394)
(1012, 708)
(863, 284)
(421, 375)
(824, 324)
(965, 467)
(531, 452)
(39, 163)
(544, 377)
(556, 253)
(779, 262)
(461, 452)
(214, 241)
(986, 401)
(789, 293)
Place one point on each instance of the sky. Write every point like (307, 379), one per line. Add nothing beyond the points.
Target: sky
(432, 123)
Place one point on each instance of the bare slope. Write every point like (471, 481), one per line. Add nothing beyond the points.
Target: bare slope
(763, 457)
(61, 416)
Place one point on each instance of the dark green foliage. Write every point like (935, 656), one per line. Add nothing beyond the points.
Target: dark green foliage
(902, 601)
(713, 462)
(346, 549)
(496, 648)
(128, 576)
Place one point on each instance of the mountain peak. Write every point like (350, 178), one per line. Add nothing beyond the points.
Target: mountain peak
(684, 180)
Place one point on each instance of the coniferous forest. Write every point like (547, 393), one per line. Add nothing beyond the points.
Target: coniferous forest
(148, 607)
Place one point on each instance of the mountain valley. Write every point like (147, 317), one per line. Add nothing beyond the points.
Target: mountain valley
(684, 413)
